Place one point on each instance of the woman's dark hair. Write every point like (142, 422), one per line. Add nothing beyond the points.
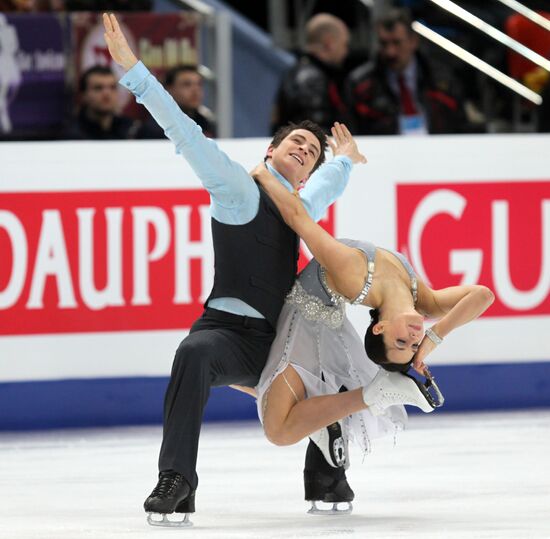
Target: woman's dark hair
(376, 349)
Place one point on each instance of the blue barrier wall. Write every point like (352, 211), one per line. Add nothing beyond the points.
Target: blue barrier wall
(132, 401)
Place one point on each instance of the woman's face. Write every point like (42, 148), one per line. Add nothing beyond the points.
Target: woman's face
(402, 336)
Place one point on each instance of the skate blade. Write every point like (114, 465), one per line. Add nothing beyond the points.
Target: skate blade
(429, 390)
(165, 523)
(314, 510)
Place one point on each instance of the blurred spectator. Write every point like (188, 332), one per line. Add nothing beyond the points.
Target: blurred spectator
(313, 88)
(109, 5)
(22, 6)
(29, 6)
(98, 118)
(185, 84)
(402, 91)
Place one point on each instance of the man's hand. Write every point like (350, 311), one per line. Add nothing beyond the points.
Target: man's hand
(118, 46)
(344, 144)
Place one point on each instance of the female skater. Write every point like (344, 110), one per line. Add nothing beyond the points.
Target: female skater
(318, 371)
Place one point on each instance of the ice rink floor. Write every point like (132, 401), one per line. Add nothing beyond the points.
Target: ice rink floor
(449, 476)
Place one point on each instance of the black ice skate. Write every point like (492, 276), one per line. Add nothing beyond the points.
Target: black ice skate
(173, 494)
(325, 472)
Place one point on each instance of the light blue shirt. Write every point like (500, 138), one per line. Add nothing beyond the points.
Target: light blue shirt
(234, 195)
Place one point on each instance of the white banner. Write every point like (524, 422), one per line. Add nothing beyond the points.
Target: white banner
(105, 253)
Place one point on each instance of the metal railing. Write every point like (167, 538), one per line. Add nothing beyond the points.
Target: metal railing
(217, 66)
(491, 31)
(476, 62)
(527, 13)
(502, 38)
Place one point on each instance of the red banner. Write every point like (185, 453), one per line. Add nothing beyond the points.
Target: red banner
(105, 261)
(496, 234)
(161, 41)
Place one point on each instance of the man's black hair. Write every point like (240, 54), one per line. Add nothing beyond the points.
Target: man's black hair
(393, 17)
(94, 70)
(308, 125)
(173, 72)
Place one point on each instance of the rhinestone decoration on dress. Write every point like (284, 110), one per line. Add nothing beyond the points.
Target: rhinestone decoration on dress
(313, 309)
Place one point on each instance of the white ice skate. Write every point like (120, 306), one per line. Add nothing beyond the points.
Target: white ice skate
(391, 388)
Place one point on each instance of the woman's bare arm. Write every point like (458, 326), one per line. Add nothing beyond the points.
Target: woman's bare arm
(344, 264)
(454, 307)
(459, 305)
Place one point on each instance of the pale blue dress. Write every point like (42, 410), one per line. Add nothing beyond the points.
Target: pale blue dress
(315, 336)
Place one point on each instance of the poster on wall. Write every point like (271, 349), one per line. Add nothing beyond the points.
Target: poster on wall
(32, 75)
(161, 41)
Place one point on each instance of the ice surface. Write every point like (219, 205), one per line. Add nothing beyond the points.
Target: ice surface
(449, 476)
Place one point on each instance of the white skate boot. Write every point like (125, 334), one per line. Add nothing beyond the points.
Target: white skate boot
(390, 388)
(325, 479)
(333, 445)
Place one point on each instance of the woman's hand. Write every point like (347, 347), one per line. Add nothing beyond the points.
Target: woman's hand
(426, 347)
(116, 41)
(343, 143)
(260, 172)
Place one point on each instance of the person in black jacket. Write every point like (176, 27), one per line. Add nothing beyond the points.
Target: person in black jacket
(312, 89)
(402, 91)
(98, 118)
(185, 84)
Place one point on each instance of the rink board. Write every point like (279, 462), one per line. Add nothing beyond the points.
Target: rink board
(106, 259)
(136, 401)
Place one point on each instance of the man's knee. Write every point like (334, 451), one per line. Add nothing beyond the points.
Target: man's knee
(193, 354)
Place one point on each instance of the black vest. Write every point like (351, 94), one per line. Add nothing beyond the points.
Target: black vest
(256, 262)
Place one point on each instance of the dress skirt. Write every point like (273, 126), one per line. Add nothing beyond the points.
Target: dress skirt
(323, 347)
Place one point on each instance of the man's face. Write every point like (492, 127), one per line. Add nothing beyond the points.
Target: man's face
(100, 95)
(397, 46)
(187, 90)
(338, 47)
(296, 155)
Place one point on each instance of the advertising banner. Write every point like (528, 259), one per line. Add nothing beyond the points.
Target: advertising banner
(106, 260)
(161, 41)
(32, 74)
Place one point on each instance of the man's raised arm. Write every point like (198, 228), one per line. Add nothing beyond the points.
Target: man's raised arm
(329, 181)
(228, 182)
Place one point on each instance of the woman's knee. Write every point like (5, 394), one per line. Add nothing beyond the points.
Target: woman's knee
(278, 435)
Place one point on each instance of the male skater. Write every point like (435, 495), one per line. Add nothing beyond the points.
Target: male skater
(255, 265)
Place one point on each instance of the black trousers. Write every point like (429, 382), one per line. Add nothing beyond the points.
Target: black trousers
(221, 349)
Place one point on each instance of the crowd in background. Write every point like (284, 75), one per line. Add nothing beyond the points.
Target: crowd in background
(98, 117)
(37, 6)
(399, 90)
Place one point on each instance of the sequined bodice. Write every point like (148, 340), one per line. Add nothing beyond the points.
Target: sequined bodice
(317, 302)
(315, 309)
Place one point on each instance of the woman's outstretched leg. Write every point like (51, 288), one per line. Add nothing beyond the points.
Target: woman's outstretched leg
(289, 416)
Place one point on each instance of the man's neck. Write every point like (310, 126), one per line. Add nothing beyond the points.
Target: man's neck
(288, 184)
